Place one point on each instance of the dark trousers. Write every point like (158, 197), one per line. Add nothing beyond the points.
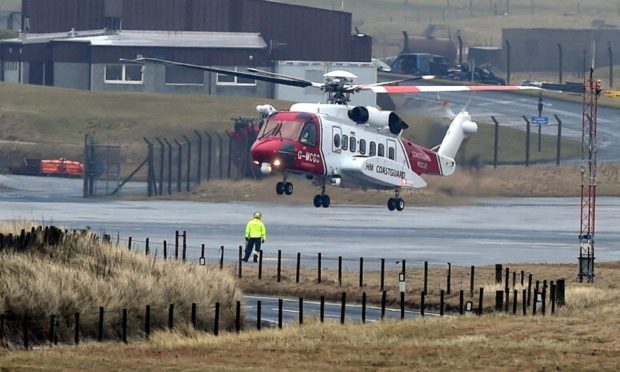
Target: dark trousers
(253, 244)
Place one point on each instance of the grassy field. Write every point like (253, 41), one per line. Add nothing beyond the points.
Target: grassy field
(80, 274)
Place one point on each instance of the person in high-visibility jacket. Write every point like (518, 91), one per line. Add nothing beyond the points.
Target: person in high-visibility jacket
(255, 234)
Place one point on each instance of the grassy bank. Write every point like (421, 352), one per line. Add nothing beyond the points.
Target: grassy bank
(78, 274)
(582, 336)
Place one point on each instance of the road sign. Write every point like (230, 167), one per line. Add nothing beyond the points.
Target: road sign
(540, 120)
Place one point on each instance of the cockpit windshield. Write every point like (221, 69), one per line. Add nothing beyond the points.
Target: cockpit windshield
(284, 125)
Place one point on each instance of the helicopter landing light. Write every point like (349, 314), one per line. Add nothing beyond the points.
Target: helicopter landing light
(265, 168)
(276, 162)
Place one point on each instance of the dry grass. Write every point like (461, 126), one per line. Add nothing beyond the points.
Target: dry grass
(81, 274)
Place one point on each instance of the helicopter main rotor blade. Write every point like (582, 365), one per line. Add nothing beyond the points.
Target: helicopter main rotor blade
(272, 79)
(274, 74)
(446, 88)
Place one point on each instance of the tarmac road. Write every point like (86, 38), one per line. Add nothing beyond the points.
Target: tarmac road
(508, 108)
(497, 230)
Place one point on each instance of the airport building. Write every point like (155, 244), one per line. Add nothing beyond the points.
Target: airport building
(81, 44)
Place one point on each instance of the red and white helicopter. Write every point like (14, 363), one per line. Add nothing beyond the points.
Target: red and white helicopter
(353, 147)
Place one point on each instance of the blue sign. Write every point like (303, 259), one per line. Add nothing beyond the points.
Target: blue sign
(540, 120)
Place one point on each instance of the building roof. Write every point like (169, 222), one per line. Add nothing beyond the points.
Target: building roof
(135, 38)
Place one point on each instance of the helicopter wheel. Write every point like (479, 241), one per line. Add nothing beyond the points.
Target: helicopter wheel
(400, 204)
(288, 188)
(318, 201)
(280, 188)
(391, 204)
(325, 200)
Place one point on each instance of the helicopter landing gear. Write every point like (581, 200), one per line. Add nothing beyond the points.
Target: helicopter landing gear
(284, 187)
(396, 203)
(322, 200)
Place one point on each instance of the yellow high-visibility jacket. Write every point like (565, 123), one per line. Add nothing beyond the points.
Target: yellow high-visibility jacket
(255, 229)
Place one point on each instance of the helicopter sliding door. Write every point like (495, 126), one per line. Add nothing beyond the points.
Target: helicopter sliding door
(336, 139)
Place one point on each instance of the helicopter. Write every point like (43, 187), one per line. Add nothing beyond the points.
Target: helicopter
(355, 147)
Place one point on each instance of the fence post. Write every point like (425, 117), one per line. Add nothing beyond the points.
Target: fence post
(339, 271)
(514, 279)
(260, 264)
(279, 272)
(238, 317)
(184, 245)
(162, 151)
(361, 272)
(169, 145)
(129, 243)
(146, 247)
(76, 334)
(230, 145)
(495, 141)
(544, 298)
(404, 268)
(165, 250)
(522, 277)
(559, 140)
(216, 323)
(524, 302)
(529, 289)
(448, 284)
(383, 303)
(176, 245)
(297, 267)
(422, 305)
(461, 302)
(239, 274)
(499, 300)
(471, 281)
(125, 325)
(364, 307)
(498, 273)
(527, 141)
(221, 257)
(425, 276)
(480, 302)
(189, 161)
(179, 164)
(552, 297)
(507, 299)
(193, 315)
(259, 304)
(147, 321)
(515, 293)
(343, 307)
(280, 306)
(100, 328)
(319, 267)
(535, 301)
(322, 309)
(442, 299)
(171, 316)
(203, 259)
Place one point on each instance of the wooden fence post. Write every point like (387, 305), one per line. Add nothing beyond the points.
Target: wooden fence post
(216, 323)
(76, 334)
(297, 267)
(100, 328)
(343, 305)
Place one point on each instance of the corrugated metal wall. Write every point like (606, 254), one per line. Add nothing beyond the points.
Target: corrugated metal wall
(304, 33)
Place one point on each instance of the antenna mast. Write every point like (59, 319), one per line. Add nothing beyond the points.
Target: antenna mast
(588, 178)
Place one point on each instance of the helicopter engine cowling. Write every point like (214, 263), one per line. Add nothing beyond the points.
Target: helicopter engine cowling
(375, 117)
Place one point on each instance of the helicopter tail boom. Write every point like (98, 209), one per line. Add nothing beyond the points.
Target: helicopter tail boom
(460, 128)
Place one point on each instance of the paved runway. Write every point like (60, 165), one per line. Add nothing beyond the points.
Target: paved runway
(498, 230)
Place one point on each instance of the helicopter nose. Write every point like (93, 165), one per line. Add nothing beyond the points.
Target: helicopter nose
(275, 153)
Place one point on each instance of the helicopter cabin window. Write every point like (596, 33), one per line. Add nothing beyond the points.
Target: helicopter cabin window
(391, 152)
(223, 79)
(286, 125)
(337, 141)
(345, 142)
(308, 134)
(372, 151)
(352, 144)
(381, 151)
(362, 147)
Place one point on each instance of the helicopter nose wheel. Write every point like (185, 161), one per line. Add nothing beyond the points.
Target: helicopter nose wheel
(396, 203)
(322, 200)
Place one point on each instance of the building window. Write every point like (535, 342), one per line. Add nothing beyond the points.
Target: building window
(223, 79)
(372, 151)
(123, 74)
(11, 65)
(176, 75)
